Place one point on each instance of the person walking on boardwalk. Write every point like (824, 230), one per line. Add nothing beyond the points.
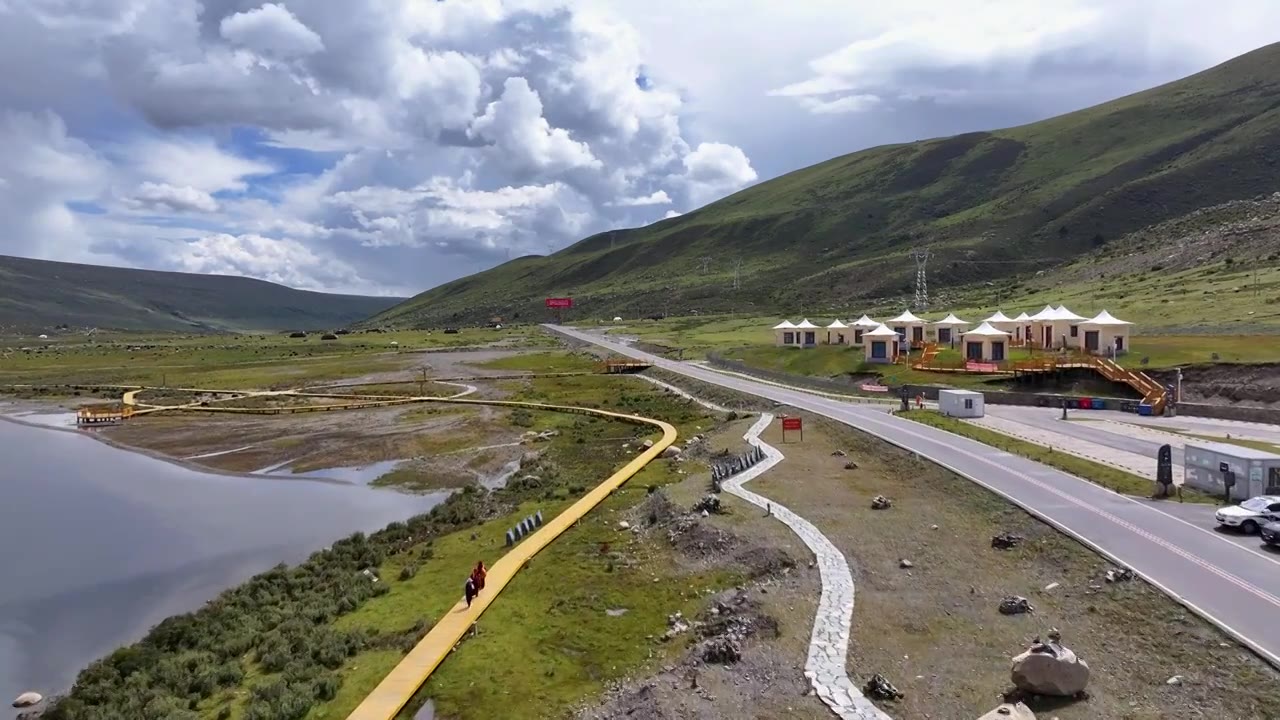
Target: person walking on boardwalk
(469, 589)
(477, 576)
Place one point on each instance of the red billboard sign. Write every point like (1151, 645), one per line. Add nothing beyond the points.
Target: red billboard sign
(559, 303)
(792, 423)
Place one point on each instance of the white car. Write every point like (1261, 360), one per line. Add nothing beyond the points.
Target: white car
(1251, 514)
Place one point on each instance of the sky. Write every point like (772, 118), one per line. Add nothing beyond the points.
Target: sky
(384, 147)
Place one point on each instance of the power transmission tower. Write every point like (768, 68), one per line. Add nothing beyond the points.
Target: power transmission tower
(737, 273)
(705, 263)
(921, 256)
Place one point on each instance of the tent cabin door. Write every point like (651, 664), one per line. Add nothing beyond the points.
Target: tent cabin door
(1091, 341)
(973, 351)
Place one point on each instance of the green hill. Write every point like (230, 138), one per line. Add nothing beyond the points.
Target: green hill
(40, 293)
(1009, 202)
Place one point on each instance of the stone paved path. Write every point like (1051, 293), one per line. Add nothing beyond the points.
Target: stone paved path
(829, 644)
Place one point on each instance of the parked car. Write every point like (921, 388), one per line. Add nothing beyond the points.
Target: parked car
(1271, 534)
(1251, 514)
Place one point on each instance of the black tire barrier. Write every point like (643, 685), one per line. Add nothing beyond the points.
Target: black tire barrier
(524, 527)
(725, 469)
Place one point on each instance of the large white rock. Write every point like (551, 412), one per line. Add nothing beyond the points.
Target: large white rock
(1050, 669)
(28, 699)
(1008, 711)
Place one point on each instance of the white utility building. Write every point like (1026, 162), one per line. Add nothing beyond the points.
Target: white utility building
(961, 403)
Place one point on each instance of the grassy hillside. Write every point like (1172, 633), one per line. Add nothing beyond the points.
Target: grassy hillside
(1004, 203)
(39, 293)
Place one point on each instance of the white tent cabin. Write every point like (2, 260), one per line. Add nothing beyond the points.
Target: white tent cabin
(1054, 328)
(806, 334)
(910, 327)
(986, 344)
(1105, 334)
(860, 326)
(837, 333)
(948, 328)
(784, 334)
(881, 344)
(1000, 321)
(1022, 331)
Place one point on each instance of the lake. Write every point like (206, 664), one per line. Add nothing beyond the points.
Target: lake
(98, 544)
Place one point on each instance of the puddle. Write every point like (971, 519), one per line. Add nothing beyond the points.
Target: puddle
(508, 471)
(356, 474)
(217, 454)
(47, 419)
(426, 712)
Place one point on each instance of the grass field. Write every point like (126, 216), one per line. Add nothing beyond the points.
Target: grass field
(233, 361)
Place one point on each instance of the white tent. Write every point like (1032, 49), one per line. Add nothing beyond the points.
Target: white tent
(947, 327)
(881, 344)
(784, 333)
(1062, 313)
(836, 334)
(806, 335)
(908, 326)
(860, 327)
(986, 343)
(1056, 327)
(1105, 334)
(1000, 321)
(1022, 331)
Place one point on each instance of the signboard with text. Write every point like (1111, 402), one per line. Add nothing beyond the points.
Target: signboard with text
(559, 303)
(792, 423)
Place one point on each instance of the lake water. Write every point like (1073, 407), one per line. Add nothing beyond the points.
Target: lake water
(98, 544)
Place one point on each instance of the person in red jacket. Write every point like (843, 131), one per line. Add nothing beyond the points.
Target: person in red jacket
(477, 576)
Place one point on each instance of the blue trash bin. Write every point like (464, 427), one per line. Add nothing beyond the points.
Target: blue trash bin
(1144, 409)
(1099, 404)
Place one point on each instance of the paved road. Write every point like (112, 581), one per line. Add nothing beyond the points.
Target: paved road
(1097, 433)
(1236, 588)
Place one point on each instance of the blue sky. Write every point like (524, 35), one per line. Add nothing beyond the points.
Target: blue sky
(396, 149)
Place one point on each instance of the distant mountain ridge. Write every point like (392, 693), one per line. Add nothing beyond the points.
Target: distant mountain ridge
(1006, 203)
(43, 293)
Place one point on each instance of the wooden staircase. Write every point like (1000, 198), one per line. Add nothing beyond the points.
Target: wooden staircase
(1152, 392)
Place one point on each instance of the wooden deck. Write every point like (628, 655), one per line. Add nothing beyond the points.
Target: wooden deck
(103, 414)
(614, 367)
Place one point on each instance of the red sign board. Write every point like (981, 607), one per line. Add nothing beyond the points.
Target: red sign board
(557, 303)
(792, 423)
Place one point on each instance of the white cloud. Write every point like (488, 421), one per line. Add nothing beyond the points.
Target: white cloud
(161, 196)
(272, 31)
(279, 260)
(671, 214)
(523, 138)
(197, 163)
(716, 169)
(657, 197)
(841, 105)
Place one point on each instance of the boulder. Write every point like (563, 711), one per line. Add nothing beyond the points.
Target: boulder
(671, 451)
(1005, 541)
(647, 444)
(851, 465)
(1050, 669)
(1015, 605)
(1010, 711)
(879, 688)
(881, 502)
(28, 699)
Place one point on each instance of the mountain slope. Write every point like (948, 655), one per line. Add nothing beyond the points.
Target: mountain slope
(40, 293)
(1008, 202)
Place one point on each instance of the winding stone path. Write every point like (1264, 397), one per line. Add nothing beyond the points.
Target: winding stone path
(829, 644)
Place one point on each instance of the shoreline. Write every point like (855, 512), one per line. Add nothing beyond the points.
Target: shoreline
(188, 465)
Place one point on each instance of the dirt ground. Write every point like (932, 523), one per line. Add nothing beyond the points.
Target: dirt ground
(459, 364)
(934, 629)
(767, 620)
(1251, 385)
(443, 446)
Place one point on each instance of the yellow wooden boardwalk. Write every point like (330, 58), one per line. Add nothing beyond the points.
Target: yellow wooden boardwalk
(395, 690)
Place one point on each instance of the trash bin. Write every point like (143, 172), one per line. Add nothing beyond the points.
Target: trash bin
(1144, 409)
(1086, 403)
(1099, 404)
